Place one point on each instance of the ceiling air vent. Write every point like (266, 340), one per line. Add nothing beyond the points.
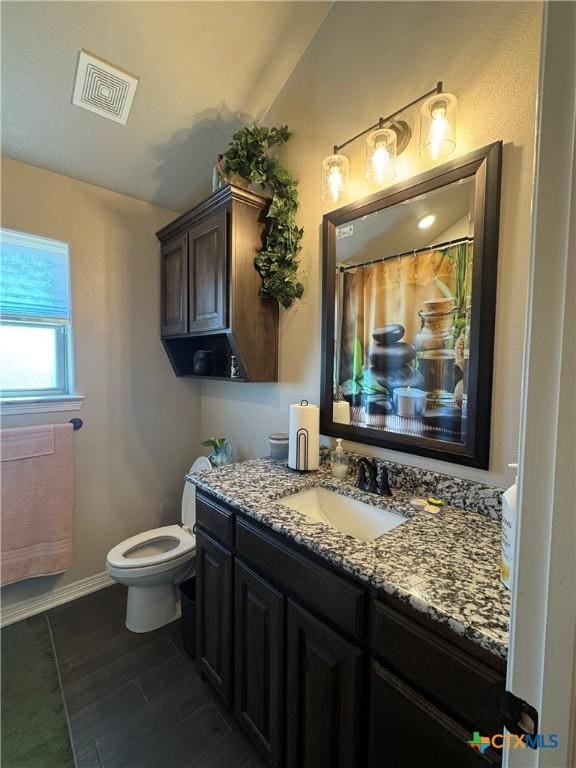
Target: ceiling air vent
(103, 89)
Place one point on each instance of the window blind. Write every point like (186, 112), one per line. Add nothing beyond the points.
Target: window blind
(34, 281)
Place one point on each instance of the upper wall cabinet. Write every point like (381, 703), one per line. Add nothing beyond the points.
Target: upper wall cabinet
(174, 280)
(210, 287)
(207, 276)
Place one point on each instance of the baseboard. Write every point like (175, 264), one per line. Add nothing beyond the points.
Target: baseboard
(55, 597)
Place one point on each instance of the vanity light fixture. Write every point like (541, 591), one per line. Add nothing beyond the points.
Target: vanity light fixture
(388, 138)
(438, 126)
(426, 221)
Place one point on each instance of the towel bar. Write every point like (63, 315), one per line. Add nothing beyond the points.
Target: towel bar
(76, 424)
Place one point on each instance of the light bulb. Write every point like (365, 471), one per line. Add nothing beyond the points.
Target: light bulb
(335, 171)
(439, 128)
(380, 156)
(380, 161)
(335, 183)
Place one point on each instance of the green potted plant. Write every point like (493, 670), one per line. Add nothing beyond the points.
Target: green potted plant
(250, 157)
(221, 450)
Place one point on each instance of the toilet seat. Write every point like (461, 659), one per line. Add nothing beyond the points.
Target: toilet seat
(171, 543)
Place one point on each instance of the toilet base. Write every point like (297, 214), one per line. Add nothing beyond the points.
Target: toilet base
(149, 608)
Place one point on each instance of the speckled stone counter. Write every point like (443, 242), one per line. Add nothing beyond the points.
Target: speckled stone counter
(445, 565)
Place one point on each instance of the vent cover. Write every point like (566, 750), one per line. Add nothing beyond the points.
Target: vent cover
(103, 89)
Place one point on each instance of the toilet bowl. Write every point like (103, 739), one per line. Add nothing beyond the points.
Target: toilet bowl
(154, 563)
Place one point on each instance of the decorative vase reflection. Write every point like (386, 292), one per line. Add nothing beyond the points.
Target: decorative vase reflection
(435, 353)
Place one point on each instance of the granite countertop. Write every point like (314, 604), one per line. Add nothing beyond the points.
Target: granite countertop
(445, 565)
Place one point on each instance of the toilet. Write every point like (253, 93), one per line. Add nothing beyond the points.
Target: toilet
(153, 564)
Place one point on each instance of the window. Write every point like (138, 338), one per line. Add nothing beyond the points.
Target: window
(35, 331)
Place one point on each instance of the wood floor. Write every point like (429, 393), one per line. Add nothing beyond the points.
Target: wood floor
(135, 701)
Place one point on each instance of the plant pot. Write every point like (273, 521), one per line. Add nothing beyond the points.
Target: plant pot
(221, 456)
(239, 181)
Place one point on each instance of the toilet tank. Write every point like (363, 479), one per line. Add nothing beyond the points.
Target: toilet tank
(189, 493)
(189, 505)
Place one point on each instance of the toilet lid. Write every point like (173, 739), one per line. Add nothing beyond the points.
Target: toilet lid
(201, 463)
(159, 545)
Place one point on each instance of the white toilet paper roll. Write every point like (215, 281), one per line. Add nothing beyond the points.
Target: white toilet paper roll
(304, 436)
(341, 412)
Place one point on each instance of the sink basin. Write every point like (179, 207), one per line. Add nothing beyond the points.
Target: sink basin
(350, 516)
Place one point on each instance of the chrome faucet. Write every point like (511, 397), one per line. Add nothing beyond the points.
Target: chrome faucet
(372, 478)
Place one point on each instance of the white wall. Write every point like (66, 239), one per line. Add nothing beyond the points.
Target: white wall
(366, 60)
(141, 423)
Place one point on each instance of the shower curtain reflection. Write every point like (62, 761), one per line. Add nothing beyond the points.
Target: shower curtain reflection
(402, 340)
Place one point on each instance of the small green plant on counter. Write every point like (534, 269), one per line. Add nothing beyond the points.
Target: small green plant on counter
(221, 450)
(249, 157)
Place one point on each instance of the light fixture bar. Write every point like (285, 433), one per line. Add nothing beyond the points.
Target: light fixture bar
(383, 120)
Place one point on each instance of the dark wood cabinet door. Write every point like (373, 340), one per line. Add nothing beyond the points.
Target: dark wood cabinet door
(468, 688)
(214, 644)
(207, 278)
(259, 661)
(406, 730)
(174, 298)
(323, 683)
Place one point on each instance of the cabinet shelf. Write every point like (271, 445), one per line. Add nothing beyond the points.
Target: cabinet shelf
(215, 378)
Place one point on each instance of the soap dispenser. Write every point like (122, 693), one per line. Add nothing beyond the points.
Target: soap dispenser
(339, 461)
(509, 512)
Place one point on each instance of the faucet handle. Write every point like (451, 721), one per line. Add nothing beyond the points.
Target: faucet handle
(382, 482)
(366, 479)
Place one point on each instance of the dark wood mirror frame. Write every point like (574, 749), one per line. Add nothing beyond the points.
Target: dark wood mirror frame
(485, 165)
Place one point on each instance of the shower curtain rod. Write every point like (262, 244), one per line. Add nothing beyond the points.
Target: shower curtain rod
(435, 247)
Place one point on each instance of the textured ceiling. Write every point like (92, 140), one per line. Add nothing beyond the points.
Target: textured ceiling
(205, 68)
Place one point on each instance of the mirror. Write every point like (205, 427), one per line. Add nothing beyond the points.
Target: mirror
(409, 301)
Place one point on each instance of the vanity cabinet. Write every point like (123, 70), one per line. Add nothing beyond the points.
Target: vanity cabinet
(214, 614)
(407, 730)
(259, 660)
(297, 676)
(322, 670)
(324, 683)
(465, 686)
(210, 289)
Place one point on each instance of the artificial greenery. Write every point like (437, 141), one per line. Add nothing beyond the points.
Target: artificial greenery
(461, 256)
(362, 380)
(249, 157)
(217, 443)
